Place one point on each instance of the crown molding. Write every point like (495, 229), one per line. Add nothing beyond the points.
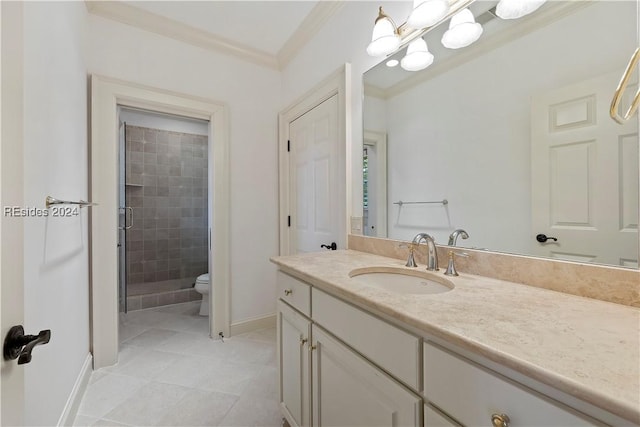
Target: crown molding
(535, 21)
(167, 27)
(152, 22)
(307, 29)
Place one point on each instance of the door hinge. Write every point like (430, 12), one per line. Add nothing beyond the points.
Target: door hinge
(289, 221)
(288, 145)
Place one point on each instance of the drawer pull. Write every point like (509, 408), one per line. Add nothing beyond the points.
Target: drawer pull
(288, 292)
(500, 420)
(303, 341)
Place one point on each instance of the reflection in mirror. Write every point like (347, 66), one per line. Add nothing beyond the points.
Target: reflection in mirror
(514, 133)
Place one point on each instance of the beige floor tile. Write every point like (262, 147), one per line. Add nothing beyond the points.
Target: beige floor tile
(148, 405)
(84, 421)
(264, 385)
(146, 364)
(150, 338)
(188, 371)
(182, 343)
(199, 408)
(171, 373)
(249, 412)
(229, 377)
(108, 423)
(107, 393)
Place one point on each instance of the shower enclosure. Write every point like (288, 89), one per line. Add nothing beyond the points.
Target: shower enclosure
(163, 218)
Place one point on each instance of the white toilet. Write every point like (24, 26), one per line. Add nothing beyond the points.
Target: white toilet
(203, 286)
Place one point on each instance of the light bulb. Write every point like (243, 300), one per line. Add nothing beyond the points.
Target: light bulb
(426, 13)
(463, 30)
(384, 39)
(514, 9)
(418, 56)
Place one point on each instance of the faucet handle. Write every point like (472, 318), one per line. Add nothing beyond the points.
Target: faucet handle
(451, 267)
(411, 262)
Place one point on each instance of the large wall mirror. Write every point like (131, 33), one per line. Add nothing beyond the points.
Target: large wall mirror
(510, 138)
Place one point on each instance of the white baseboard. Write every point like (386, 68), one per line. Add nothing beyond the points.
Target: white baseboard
(73, 402)
(250, 325)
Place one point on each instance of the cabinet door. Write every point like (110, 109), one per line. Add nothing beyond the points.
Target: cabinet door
(349, 391)
(293, 365)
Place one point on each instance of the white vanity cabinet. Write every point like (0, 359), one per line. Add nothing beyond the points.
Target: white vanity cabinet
(324, 382)
(341, 365)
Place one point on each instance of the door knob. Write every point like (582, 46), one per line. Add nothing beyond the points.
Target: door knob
(17, 345)
(543, 238)
(332, 246)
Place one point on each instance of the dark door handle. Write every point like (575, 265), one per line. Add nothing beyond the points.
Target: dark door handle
(332, 246)
(543, 238)
(17, 345)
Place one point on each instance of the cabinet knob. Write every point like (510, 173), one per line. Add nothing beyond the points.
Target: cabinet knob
(288, 292)
(303, 341)
(312, 347)
(500, 420)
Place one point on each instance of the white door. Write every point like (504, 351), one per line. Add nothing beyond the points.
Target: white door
(294, 331)
(350, 391)
(584, 175)
(11, 194)
(314, 178)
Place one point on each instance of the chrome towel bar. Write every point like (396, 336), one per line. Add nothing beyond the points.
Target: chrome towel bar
(50, 201)
(440, 202)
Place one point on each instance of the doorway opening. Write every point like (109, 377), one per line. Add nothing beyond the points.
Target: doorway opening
(163, 201)
(108, 97)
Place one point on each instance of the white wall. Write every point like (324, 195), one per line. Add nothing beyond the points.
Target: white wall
(56, 277)
(252, 94)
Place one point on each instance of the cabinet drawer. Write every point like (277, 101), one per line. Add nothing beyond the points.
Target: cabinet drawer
(471, 394)
(393, 349)
(294, 292)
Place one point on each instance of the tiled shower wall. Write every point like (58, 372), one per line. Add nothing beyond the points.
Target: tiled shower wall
(166, 177)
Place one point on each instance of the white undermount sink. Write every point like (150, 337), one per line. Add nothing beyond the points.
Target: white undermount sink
(402, 281)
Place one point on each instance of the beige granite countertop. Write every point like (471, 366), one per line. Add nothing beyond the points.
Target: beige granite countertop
(584, 347)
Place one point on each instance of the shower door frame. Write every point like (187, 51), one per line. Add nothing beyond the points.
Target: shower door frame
(106, 95)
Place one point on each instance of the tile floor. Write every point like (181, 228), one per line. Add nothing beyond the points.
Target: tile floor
(171, 374)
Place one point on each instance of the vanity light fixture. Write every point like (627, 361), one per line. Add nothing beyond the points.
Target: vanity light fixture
(418, 56)
(463, 30)
(385, 38)
(426, 13)
(514, 9)
(392, 63)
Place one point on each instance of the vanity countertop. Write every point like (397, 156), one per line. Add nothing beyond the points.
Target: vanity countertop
(584, 347)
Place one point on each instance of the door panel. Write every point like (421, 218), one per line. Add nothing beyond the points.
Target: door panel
(584, 175)
(350, 391)
(294, 332)
(314, 177)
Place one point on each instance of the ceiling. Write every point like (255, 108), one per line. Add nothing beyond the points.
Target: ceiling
(269, 33)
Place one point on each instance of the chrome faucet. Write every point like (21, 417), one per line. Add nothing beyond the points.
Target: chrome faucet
(453, 237)
(432, 254)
